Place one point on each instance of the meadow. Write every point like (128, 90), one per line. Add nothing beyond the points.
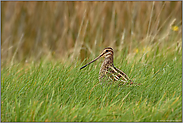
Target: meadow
(40, 76)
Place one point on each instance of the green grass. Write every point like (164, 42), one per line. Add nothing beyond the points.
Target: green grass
(49, 91)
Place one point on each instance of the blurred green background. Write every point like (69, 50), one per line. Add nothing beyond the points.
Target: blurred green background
(65, 31)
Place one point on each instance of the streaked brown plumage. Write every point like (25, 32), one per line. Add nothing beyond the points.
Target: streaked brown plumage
(108, 70)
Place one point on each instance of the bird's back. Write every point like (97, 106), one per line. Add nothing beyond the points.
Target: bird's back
(110, 73)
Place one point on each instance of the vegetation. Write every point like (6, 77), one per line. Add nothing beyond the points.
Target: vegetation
(45, 43)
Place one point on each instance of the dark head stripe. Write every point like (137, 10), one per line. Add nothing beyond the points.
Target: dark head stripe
(108, 48)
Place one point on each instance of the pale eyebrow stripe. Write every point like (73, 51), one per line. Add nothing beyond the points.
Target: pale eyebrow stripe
(108, 53)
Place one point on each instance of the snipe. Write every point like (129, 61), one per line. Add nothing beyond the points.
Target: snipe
(108, 70)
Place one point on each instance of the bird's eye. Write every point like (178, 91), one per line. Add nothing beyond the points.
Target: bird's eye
(107, 50)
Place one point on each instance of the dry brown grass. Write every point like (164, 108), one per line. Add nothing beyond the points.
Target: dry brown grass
(62, 30)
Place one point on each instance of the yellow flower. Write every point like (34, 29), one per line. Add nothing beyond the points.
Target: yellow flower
(136, 50)
(146, 49)
(175, 28)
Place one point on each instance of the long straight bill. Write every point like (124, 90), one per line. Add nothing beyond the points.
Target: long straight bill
(91, 61)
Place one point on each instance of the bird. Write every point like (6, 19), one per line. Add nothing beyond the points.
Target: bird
(108, 71)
